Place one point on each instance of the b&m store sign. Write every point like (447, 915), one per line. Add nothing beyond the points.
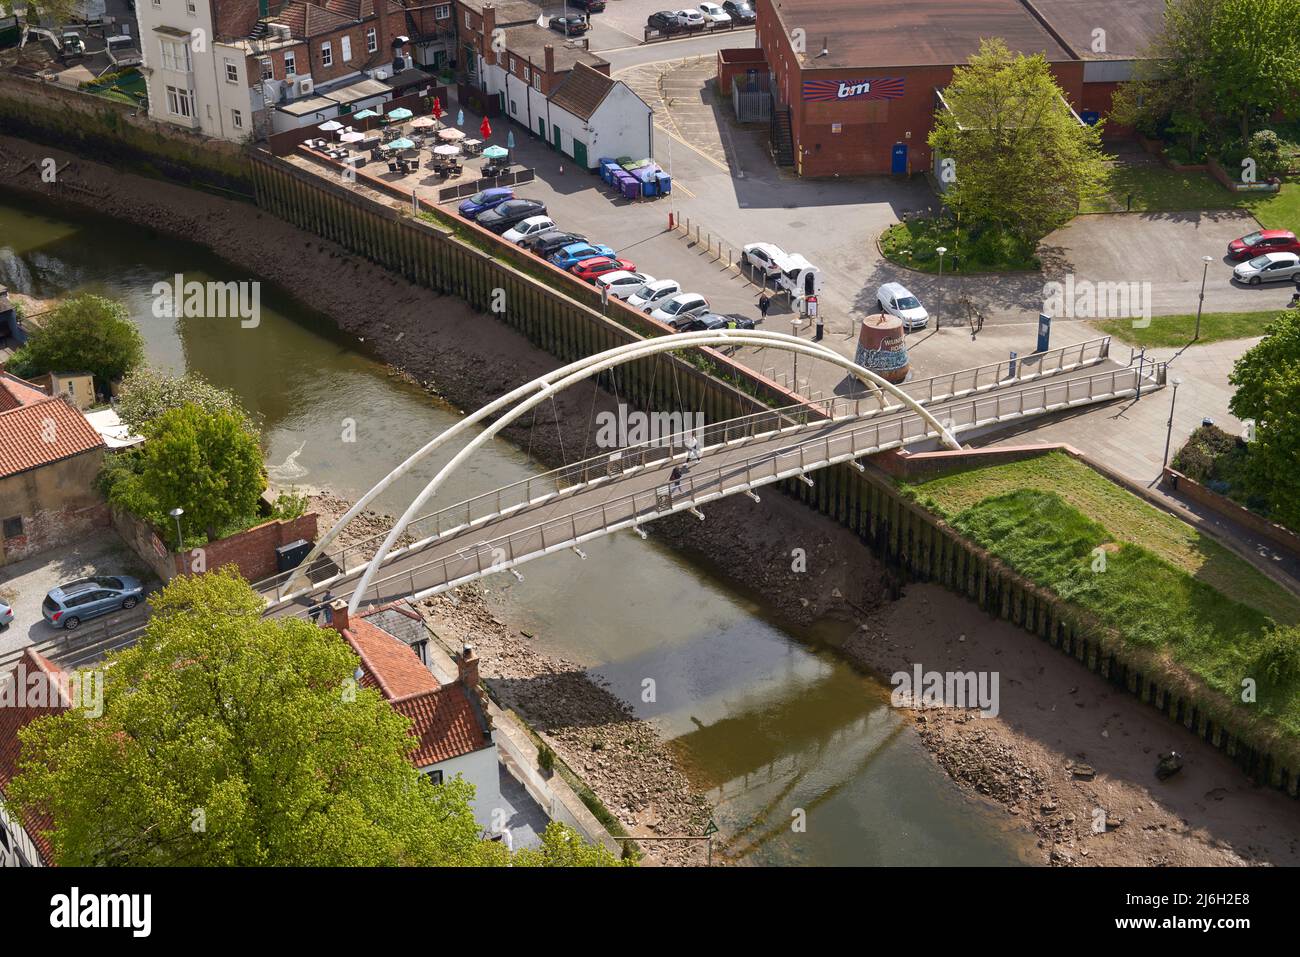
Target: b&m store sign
(886, 88)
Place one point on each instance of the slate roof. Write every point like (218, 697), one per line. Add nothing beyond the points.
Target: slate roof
(582, 91)
(530, 43)
(307, 20)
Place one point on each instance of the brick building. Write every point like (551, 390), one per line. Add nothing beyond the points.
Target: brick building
(33, 689)
(854, 85)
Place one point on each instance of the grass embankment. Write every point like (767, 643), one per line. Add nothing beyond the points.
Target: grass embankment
(1176, 331)
(912, 244)
(1156, 189)
(1171, 595)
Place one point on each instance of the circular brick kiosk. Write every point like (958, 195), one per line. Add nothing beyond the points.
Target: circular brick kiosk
(882, 348)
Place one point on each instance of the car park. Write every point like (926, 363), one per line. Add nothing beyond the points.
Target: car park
(654, 293)
(485, 200)
(1263, 241)
(571, 26)
(714, 13)
(895, 300)
(504, 215)
(589, 269)
(740, 11)
(764, 258)
(666, 22)
(67, 606)
(6, 615)
(715, 320)
(623, 283)
(532, 226)
(569, 256)
(551, 242)
(680, 309)
(1270, 267)
(692, 19)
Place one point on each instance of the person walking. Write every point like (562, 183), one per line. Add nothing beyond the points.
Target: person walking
(692, 448)
(764, 304)
(676, 480)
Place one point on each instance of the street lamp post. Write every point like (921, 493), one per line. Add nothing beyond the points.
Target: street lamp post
(1169, 426)
(1204, 272)
(794, 329)
(176, 513)
(938, 315)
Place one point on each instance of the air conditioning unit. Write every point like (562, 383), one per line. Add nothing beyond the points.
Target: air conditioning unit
(380, 74)
(280, 31)
(303, 85)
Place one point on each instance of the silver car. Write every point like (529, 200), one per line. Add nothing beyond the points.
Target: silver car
(1270, 267)
(67, 606)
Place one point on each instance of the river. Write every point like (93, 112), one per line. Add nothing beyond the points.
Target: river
(764, 721)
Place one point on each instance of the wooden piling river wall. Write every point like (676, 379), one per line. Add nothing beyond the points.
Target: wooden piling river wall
(916, 545)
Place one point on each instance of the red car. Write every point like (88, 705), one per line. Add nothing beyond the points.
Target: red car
(589, 269)
(1264, 241)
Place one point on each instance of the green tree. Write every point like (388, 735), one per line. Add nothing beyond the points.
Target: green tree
(1253, 54)
(562, 847)
(147, 392)
(86, 333)
(231, 739)
(1267, 379)
(1022, 161)
(207, 463)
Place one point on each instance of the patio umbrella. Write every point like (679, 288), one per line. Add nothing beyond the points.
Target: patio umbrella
(460, 117)
(495, 152)
(401, 113)
(423, 122)
(436, 111)
(364, 115)
(510, 140)
(330, 126)
(451, 135)
(352, 137)
(401, 143)
(447, 149)
(485, 129)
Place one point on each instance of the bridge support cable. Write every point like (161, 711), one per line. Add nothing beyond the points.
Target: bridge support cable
(486, 412)
(594, 365)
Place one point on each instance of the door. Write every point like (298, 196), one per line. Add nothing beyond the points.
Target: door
(898, 164)
(580, 153)
(556, 144)
(541, 128)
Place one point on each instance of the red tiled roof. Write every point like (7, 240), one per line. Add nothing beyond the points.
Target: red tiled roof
(445, 722)
(43, 432)
(306, 20)
(14, 718)
(16, 392)
(388, 664)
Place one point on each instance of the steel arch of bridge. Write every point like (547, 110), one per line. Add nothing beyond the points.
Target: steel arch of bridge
(544, 387)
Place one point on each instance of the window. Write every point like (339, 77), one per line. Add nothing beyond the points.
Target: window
(237, 118)
(232, 71)
(527, 74)
(346, 43)
(268, 70)
(290, 64)
(176, 55)
(443, 10)
(512, 65)
(191, 6)
(434, 777)
(157, 3)
(326, 54)
(180, 102)
(372, 40)
(537, 81)
(13, 527)
(468, 22)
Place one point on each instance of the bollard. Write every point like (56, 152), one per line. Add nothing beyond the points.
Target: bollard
(671, 225)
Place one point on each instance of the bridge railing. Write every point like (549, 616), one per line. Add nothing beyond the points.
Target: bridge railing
(672, 442)
(587, 522)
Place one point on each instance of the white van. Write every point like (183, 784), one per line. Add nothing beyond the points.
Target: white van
(799, 277)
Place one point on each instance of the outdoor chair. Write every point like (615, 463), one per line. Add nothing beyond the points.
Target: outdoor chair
(392, 166)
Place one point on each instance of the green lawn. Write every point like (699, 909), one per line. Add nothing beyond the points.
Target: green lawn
(913, 244)
(1176, 331)
(1169, 592)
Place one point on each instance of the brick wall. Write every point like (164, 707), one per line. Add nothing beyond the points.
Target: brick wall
(234, 18)
(252, 550)
(732, 63)
(1283, 538)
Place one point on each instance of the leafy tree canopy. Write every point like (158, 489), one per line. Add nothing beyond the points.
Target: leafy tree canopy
(86, 333)
(147, 392)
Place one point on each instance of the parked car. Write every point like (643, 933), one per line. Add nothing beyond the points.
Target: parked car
(681, 308)
(504, 215)
(1269, 267)
(1263, 241)
(623, 283)
(654, 293)
(714, 13)
(571, 26)
(67, 606)
(569, 256)
(551, 242)
(485, 199)
(591, 6)
(532, 226)
(740, 11)
(666, 22)
(764, 258)
(895, 300)
(589, 269)
(6, 615)
(715, 320)
(693, 19)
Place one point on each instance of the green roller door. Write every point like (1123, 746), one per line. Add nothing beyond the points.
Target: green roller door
(580, 153)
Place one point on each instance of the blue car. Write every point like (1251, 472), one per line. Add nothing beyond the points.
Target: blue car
(484, 200)
(68, 605)
(570, 256)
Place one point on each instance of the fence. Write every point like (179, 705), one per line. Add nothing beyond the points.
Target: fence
(751, 98)
(461, 190)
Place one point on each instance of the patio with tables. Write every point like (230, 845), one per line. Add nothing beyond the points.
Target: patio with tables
(423, 151)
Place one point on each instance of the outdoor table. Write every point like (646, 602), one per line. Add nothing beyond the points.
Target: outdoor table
(471, 146)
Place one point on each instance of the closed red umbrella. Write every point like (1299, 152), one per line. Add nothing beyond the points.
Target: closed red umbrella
(437, 109)
(485, 129)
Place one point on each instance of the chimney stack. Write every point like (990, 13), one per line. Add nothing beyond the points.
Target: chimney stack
(467, 668)
(339, 615)
(489, 28)
(550, 63)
